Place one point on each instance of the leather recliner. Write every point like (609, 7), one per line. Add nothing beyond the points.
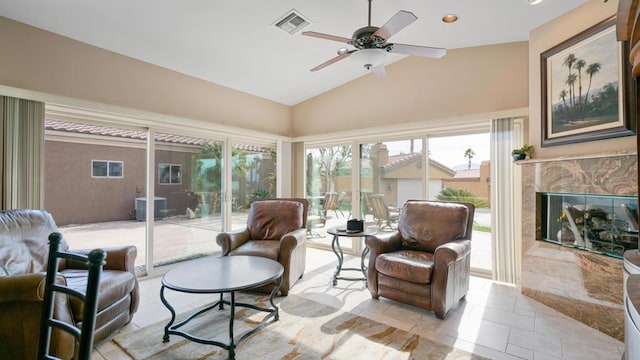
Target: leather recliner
(426, 261)
(23, 255)
(276, 229)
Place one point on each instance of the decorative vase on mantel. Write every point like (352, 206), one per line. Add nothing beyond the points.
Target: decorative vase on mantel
(565, 235)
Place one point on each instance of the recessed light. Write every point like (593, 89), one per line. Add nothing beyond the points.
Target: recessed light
(450, 18)
(533, 2)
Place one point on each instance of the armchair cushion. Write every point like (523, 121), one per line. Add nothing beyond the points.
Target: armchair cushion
(408, 265)
(262, 223)
(265, 248)
(418, 234)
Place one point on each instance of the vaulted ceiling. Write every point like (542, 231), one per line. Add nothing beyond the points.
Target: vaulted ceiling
(235, 43)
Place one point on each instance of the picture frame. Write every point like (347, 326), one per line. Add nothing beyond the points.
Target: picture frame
(587, 91)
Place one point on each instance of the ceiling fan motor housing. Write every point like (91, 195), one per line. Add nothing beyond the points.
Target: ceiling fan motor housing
(363, 39)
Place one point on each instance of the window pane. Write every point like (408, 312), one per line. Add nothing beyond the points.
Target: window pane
(115, 169)
(253, 177)
(95, 212)
(390, 173)
(187, 202)
(99, 168)
(164, 174)
(176, 174)
(328, 191)
(464, 162)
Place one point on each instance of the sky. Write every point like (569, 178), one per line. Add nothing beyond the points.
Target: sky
(449, 150)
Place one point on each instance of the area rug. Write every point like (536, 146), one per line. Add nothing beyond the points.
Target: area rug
(305, 330)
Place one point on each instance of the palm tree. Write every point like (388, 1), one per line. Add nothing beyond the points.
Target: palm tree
(469, 153)
(592, 69)
(563, 97)
(579, 65)
(569, 61)
(571, 81)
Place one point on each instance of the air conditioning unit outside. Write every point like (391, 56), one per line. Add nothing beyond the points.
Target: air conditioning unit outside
(160, 204)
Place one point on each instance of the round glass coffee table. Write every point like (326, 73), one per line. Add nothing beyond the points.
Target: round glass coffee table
(219, 275)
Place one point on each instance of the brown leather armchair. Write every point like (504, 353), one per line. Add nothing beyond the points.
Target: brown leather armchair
(426, 262)
(23, 256)
(276, 229)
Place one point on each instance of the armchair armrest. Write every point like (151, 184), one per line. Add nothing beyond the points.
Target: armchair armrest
(231, 240)
(383, 243)
(22, 288)
(118, 258)
(448, 253)
(450, 277)
(379, 244)
(292, 240)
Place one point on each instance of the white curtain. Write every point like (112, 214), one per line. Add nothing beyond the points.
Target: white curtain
(22, 154)
(506, 134)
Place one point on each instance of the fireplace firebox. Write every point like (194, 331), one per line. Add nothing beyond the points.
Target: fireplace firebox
(604, 224)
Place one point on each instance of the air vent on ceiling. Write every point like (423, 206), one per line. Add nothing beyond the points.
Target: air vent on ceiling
(291, 22)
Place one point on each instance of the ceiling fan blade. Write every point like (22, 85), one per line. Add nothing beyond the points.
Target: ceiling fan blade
(398, 22)
(379, 71)
(326, 36)
(424, 51)
(332, 60)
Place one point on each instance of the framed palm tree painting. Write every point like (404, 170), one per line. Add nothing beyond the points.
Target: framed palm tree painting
(587, 91)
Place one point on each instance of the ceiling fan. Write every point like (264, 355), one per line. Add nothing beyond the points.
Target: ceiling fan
(371, 44)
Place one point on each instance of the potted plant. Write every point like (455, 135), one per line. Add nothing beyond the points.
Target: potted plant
(523, 152)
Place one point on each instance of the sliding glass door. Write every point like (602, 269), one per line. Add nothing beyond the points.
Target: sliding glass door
(391, 172)
(187, 207)
(328, 189)
(460, 170)
(253, 176)
(94, 175)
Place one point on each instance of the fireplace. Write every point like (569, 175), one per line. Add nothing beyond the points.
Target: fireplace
(605, 224)
(575, 278)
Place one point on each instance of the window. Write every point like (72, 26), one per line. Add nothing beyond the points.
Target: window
(169, 173)
(106, 169)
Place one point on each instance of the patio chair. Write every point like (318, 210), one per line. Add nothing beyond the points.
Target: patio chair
(365, 201)
(344, 198)
(331, 202)
(382, 214)
(318, 217)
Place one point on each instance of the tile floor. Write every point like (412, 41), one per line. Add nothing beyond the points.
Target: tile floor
(495, 321)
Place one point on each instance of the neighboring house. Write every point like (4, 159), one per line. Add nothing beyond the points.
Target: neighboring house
(477, 181)
(84, 162)
(401, 175)
(402, 178)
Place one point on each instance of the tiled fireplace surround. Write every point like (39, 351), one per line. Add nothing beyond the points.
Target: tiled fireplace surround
(583, 285)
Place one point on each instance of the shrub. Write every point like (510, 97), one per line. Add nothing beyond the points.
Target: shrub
(454, 194)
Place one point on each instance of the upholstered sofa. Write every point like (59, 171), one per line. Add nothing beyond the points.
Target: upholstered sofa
(276, 229)
(23, 256)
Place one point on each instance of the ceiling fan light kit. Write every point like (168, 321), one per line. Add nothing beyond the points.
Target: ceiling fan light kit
(368, 58)
(371, 44)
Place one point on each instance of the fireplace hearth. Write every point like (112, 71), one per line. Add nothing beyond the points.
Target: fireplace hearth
(557, 271)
